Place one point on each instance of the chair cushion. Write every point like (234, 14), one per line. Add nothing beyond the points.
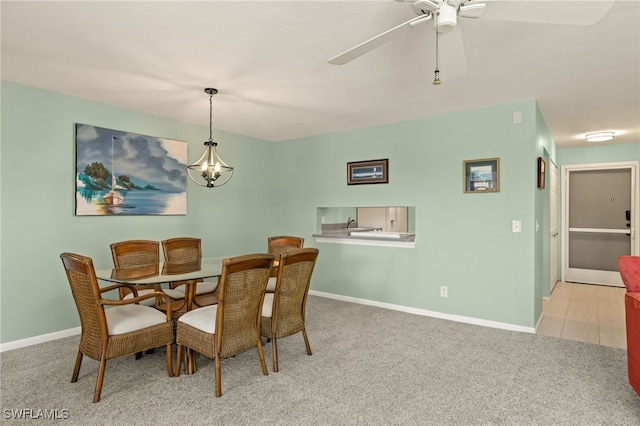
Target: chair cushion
(202, 318)
(128, 318)
(172, 293)
(267, 305)
(271, 284)
(202, 287)
(146, 302)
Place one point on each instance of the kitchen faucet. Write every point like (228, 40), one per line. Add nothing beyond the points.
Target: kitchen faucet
(350, 221)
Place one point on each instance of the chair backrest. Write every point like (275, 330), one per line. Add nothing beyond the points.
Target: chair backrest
(629, 267)
(242, 285)
(292, 288)
(182, 250)
(283, 244)
(86, 292)
(134, 253)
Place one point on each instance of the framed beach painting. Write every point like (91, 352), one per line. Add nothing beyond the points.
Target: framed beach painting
(366, 172)
(123, 173)
(481, 176)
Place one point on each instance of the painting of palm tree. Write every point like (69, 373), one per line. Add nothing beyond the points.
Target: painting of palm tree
(124, 173)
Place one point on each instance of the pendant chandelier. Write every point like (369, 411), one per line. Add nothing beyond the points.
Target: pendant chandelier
(211, 171)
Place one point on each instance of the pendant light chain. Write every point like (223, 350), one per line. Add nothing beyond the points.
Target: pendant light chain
(436, 77)
(211, 116)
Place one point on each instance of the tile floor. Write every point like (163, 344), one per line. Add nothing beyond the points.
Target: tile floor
(586, 313)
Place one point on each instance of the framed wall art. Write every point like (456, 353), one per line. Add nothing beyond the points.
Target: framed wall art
(123, 173)
(541, 172)
(481, 176)
(367, 172)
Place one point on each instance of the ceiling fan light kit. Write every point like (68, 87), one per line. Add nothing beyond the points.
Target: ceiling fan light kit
(599, 136)
(447, 18)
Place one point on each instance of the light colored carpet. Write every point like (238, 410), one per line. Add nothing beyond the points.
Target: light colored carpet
(370, 366)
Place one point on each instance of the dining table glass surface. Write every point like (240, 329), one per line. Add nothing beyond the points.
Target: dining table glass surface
(164, 272)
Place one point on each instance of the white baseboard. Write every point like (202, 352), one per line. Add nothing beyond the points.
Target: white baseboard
(424, 312)
(16, 344)
(458, 318)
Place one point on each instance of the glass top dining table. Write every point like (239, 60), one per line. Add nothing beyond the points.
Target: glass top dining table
(165, 272)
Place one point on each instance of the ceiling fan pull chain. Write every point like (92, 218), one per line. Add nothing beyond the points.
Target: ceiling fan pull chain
(436, 77)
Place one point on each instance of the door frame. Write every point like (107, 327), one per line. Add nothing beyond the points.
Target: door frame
(554, 187)
(635, 206)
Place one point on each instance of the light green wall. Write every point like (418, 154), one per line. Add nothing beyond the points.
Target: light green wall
(464, 241)
(605, 153)
(545, 147)
(38, 222)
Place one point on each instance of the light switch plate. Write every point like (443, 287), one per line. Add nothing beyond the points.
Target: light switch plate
(516, 226)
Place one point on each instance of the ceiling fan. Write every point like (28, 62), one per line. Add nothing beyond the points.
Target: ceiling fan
(445, 14)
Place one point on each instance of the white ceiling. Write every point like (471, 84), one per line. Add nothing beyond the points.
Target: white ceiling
(269, 59)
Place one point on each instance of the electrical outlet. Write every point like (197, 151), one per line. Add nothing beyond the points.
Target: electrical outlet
(444, 291)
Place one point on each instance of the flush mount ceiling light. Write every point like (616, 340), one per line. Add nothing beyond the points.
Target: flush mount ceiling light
(210, 168)
(599, 136)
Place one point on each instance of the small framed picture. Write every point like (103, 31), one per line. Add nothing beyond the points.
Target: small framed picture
(367, 172)
(541, 172)
(481, 176)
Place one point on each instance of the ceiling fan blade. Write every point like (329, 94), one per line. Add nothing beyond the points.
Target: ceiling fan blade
(453, 61)
(422, 6)
(377, 41)
(571, 12)
(472, 10)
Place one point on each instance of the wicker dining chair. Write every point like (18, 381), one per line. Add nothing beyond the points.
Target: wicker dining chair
(283, 311)
(233, 325)
(188, 250)
(134, 254)
(276, 246)
(126, 328)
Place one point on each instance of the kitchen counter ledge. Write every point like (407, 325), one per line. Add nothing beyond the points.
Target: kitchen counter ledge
(406, 240)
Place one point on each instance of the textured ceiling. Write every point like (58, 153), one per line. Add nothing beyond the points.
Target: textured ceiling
(268, 59)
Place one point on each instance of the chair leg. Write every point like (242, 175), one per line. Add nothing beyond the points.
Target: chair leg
(306, 341)
(218, 378)
(178, 362)
(170, 360)
(76, 368)
(261, 356)
(190, 361)
(274, 348)
(103, 364)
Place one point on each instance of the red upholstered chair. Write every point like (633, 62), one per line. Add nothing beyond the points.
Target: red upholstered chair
(629, 267)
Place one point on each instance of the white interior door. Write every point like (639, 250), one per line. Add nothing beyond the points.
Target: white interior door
(553, 225)
(595, 226)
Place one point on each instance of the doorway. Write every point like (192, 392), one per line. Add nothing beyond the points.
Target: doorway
(600, 214)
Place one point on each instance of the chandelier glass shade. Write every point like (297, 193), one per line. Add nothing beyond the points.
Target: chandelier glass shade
(210, 170)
